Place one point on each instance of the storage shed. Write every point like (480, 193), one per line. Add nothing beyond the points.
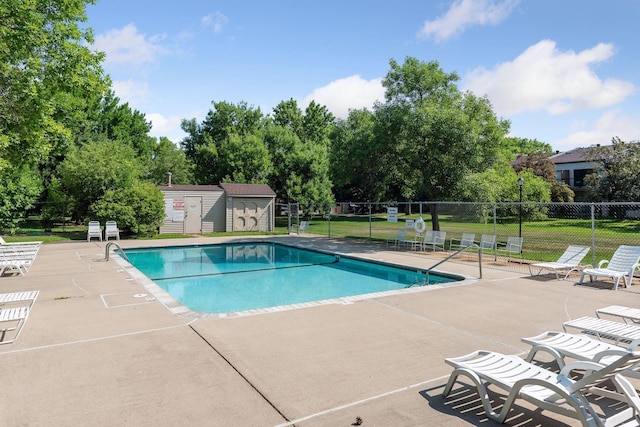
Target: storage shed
(196, 209)
(250, 207)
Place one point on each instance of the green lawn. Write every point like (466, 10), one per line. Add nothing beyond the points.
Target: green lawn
(544, 240)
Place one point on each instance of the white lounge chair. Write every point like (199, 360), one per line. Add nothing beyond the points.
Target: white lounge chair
(94, 230)
(19, 257)
(111, 230)
(631, 398)
(513, 246)
(13, 265)
(623, 263)
(467, 239)
(19, 297)
(576, 346)
(605, 329)
(543, 388)
(5, 243)
(16, 318)
(570, 261)
(627, 314)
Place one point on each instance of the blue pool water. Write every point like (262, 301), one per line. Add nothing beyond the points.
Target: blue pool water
(238, 277)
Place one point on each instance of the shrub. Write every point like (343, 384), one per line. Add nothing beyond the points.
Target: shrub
(138, 209)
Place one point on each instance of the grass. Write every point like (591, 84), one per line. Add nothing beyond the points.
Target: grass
(544, 240)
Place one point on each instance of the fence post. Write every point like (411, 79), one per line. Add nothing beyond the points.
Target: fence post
(328, 221)
(369, 221)
(593, 234)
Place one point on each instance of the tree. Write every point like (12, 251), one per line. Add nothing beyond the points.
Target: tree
(244, 159)
(167, 157)
(299, 147)
(204, 142)
(512, 147)
(88, 173)
(355, 165)
(616, 172)
(48, 75)
(138, 209)
(118, 122)
(440, 133)
(541, 165)
(20, 186)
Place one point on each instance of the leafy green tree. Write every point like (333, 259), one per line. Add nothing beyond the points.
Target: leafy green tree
(512, 147)
(299, 147)
(138, 209)
(48, 74)
(441, 133)
(203, 143)
(541, 165)
(356, 169)
(244, 159)
(20, 187)
(167, 157)
(308, 180)
(88, 173)
(287, 115)
(616, 172)
(119, 122)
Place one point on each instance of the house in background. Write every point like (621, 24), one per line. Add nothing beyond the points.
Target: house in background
(197, 209)
(571, 168)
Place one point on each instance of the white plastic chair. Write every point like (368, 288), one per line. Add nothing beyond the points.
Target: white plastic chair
(570, 260)
(624, 262)
(467, 239)
(111, 230)
(94, 230)
(513, 246)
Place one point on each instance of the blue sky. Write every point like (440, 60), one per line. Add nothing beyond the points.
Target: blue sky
(563, 72)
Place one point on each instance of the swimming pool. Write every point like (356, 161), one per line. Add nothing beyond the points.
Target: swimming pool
(237, 277)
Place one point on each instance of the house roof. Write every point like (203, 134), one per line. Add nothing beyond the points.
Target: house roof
(165, 187)
(577, 155)
(248, 190)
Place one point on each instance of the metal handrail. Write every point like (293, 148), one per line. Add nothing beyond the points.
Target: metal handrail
(426, 281)
(106, 251)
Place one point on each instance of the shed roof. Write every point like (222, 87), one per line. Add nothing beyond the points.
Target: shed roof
(190, 188)
(248, 190)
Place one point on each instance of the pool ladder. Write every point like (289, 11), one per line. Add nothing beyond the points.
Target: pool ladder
(426, 280)
(106, 251)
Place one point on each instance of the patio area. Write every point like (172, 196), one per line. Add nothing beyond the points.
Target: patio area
(98, 349)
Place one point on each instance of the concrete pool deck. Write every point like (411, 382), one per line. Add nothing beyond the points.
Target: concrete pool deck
(96, 352)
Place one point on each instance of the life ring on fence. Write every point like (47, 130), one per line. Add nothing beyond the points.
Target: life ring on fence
(419, 225)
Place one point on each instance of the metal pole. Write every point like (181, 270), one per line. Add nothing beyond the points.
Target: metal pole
(369, 221)
(520, 209)
(520, 184)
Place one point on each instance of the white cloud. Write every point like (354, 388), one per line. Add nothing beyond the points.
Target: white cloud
(465, 13)
(348, 93)
(125, 46)
(216, 21)
(545, 78)
(166, 126)
(611, 124)
(134, 92)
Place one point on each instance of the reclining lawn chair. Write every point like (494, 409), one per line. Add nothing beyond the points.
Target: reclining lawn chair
(569, 261)
(541, 387)
(624, 262)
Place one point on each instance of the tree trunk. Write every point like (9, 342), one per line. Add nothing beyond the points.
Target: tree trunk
(435, 221)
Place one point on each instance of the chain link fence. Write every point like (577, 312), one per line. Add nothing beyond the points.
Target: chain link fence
(546, 228)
